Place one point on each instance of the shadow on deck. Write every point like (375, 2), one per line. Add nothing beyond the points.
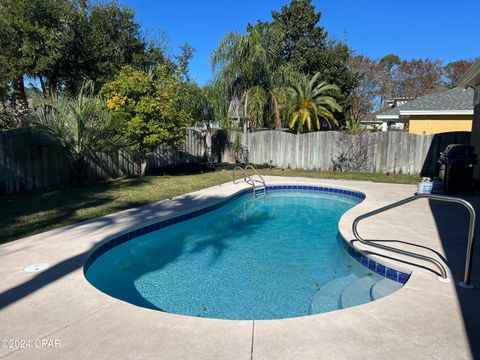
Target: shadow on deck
(452, 223)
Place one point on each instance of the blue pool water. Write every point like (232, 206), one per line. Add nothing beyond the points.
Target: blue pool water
(275, 256)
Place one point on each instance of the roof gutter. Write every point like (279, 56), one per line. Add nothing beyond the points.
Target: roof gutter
(387, 117)
(435, 112)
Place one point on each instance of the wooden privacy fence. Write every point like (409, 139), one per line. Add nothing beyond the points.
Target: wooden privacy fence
(392, 151)
(396, 152)
(42, 166)
(38, 167)
(193, 151)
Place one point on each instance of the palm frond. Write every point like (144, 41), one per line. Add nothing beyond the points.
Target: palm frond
(80, 125)
(312, 101)
(255, 106)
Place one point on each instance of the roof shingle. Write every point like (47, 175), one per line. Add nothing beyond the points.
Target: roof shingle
(454, 99)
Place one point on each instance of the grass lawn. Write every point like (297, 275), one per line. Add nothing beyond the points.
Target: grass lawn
(38, 211)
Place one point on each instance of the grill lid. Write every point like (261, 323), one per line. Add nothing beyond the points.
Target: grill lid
(459, 151)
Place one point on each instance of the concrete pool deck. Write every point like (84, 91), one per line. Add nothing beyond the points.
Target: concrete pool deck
(426, 319)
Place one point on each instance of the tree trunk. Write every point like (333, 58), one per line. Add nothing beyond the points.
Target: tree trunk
(208, 144)
(80, 167)
(3, 100)
(20, 103)
(52, 84)
(276, 108)
(143, 168)
(42, 85)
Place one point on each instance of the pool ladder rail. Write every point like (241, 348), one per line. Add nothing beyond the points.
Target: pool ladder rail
(250, 180)
(466, 284)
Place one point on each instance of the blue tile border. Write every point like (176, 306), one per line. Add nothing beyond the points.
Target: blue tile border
(127, 236)
(380, 269)
(328, 190)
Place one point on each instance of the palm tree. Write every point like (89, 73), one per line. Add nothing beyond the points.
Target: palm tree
(248, 73)
(312, 102)
(80, 126)
(205, 109)
(255, 100)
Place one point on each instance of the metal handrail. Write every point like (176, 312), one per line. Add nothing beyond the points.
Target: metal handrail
(471, 235)
(246, 176)
(262, 180)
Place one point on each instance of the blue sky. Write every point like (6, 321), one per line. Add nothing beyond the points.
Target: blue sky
(443, 29)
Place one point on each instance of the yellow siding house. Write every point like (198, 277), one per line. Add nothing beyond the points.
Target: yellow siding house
(447, 111)
(435, 124)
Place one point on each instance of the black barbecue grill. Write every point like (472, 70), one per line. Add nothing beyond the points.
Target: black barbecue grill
(456, 167)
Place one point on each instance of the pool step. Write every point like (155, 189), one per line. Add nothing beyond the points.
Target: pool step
(349, 290)
(326, 298)
(383, 288)
(358, 292)
(260, 190)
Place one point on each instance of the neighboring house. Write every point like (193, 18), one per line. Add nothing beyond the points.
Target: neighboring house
(370, 121)
(447, 111)
(394, 102)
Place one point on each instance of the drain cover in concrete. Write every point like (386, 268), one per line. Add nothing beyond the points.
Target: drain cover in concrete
(35, 267)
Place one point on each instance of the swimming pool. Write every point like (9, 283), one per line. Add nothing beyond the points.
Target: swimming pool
(275, 256)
